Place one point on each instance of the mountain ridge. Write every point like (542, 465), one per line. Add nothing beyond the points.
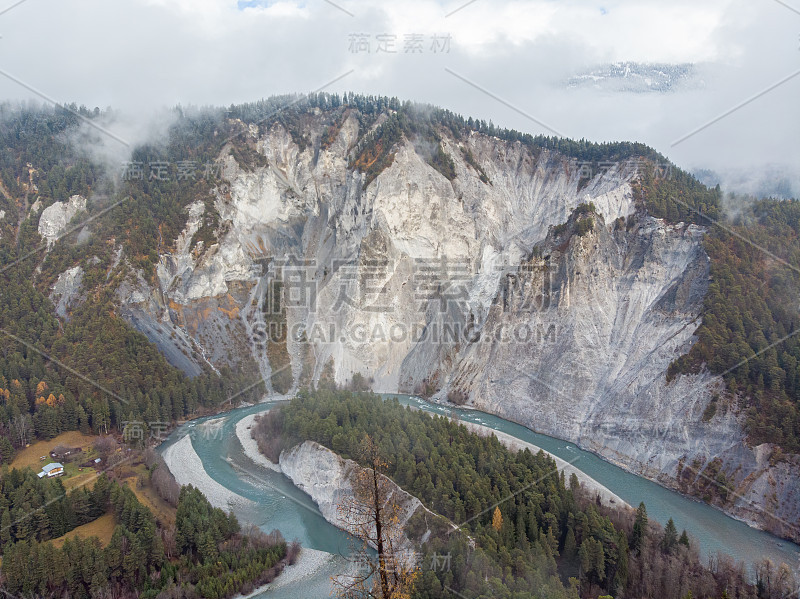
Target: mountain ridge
(339, 186)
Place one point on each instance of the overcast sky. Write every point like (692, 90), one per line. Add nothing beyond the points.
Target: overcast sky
(141, 55)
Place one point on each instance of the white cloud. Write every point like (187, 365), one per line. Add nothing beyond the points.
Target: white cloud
(142, 55)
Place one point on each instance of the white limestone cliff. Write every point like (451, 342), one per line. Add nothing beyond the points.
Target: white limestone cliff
(622, 301)
(328, 479)
(55, 218)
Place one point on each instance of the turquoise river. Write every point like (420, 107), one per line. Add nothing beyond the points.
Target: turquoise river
(275, 503)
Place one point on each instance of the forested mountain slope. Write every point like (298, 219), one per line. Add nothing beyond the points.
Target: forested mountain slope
(581, 289)
(529, 529)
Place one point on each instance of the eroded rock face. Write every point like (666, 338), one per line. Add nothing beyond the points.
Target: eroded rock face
(55, 218)
(67, 290)
(577, 343)
(328, 479)
(598, 317)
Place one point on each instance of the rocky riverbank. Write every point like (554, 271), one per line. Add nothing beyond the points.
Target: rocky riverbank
(187, 468)
(249, 445)
(309, 563)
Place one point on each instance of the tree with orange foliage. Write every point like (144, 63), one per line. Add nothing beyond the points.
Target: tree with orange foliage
(497, 519)
(372, 515)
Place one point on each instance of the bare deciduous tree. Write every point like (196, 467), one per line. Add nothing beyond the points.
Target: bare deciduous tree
(168, 540)
(105, 445)
(775, 581)
(372, 515)
(22, 429)
(165, 485)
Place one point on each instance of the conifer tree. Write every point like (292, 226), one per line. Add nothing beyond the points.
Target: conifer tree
(639, 528)
(497, 519)
(670, 538)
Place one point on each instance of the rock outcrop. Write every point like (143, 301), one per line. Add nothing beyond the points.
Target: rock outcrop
(67, 289)
(55, 218)
(328, 479)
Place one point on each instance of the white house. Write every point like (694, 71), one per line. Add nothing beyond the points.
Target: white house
(51, 470)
